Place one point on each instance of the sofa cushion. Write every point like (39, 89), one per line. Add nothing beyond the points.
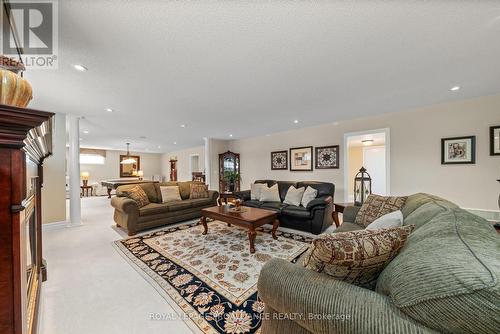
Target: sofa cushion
(269, 183)
(423, 207)
(294, 196)
(137, 194)
(185, 189)
(276, 206)
(447, 275)
(356, 257)
(376, 206)
(296, 211)
(200, 202)
(153, 209)
(252, 203)
(415, 201)
(198, 190)
(178, 205)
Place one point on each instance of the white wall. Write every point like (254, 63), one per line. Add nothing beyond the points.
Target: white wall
(54, 176)
(183, 157)
(150, 164)
(415, 152)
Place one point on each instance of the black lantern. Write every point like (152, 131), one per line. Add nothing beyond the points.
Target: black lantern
(362, 186)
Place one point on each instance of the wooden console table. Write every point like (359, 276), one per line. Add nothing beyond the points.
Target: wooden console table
(339, 208)
(85, 191)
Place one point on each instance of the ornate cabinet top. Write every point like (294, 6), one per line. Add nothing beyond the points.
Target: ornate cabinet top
(27, 129)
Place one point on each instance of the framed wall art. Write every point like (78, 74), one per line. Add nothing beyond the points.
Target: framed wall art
(301, 158)
(327, 157)
(279, 160)
(495, 140)
(458, 150)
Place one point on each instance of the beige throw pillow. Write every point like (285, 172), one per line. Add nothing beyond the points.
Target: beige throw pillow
(170, 194)
(393, 219)
(357, 257)
(294, 195)
(309, 194)
(255, 190)
(376, 206)
(270, 194)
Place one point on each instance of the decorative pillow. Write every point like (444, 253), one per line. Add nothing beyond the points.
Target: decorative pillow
(308, 196)
(270, 194)
(198, 190)
(376, 206)
(393, 219)
(137, 194)
(356, 257)
(294, 196)
(255, 189)
(170, 194)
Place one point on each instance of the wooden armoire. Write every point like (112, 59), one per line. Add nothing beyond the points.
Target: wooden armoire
(25, 141)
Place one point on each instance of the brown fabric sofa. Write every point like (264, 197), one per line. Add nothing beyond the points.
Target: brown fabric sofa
(134, 219)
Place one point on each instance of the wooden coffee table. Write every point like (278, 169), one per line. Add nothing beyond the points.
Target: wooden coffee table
(249, 218)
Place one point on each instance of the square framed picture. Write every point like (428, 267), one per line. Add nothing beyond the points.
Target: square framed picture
(495, 140)
(279, 160)
(301, 158)
(327, 157)
(458, 150)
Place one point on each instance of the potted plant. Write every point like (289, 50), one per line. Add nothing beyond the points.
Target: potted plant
(231, 178)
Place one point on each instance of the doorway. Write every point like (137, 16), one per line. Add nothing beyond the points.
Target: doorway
(194, 164)
(369, 149)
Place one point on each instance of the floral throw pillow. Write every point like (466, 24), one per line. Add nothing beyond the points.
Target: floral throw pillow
(137, 194)
(198, 190)
(377, 206)
(356, 257)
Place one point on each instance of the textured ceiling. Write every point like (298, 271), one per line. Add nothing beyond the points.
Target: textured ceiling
(250, 68)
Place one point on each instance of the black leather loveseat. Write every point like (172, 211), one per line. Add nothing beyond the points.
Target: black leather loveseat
(314, 218)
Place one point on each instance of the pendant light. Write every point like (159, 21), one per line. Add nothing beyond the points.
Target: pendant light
(128, 159)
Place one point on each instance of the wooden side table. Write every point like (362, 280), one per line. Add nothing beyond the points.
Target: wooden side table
(85, 191)
(339, 208)
(224, 196)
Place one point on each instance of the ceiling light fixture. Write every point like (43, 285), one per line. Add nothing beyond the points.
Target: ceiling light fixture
(80, 68)
(109, 110)
(86, 132)
(230, 135)
(183, 125)
(367, 142)
(296, 121)
(175, 143)
(128, 159)
(455, 88)
(159, 146)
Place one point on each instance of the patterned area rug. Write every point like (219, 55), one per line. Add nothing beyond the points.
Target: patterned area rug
(212, 278)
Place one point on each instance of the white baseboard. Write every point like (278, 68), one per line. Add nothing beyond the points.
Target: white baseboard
(54, 225)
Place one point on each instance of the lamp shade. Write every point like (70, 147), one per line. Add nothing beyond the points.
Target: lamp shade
(85, 175)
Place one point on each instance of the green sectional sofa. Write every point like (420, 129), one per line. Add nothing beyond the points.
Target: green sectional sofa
(134, 219)
(444, 280)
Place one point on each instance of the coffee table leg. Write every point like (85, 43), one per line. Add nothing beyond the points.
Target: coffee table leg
(204, 223)
(276, 224)
(251, 238)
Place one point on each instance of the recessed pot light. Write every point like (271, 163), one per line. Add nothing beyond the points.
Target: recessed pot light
(175, 143)
(86, 132)
(455, 88)
(80, 68)
(230, 135)
(109, 110)
(183, 125)
(296, 121)
(159, 146)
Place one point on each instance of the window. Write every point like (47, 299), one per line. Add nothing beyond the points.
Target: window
(92, 159)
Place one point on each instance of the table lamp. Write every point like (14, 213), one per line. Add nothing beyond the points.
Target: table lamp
(85, 178)
(140, 174)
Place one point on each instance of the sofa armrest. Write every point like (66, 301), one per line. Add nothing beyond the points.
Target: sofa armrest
(350, 213)
(322, 304)
(319, 201)
(124, 204)
(213, 195)
(243, 195)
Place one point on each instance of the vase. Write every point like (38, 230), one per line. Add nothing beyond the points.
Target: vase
(14, 89)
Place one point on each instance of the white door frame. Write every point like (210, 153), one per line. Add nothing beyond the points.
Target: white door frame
(387, 133)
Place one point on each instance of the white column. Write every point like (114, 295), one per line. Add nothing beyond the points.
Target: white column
(74, 171)
(207, 161)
